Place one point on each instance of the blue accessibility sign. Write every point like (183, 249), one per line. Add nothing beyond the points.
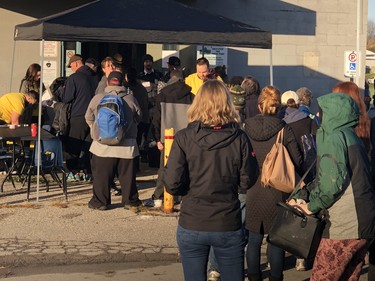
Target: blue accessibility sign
(352, 66)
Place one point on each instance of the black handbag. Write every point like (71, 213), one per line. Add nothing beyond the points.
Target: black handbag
(295, 231)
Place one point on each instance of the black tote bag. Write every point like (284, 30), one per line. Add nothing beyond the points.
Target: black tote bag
(295, 231)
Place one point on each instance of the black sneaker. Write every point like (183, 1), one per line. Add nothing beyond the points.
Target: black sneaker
(100, 208)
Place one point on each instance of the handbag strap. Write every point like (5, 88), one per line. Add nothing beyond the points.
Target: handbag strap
(296, 188)
(280, 136)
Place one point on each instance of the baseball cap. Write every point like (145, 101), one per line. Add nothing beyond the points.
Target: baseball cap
(116, 78)
(289, 95)
(73, 59)
(175, 61)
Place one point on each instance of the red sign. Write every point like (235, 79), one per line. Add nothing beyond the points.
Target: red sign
(352, 57)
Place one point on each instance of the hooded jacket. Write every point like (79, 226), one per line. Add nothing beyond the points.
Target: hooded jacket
(207, 165)
(127, 148)
(171, 107)
(261, 202)
(343, 185)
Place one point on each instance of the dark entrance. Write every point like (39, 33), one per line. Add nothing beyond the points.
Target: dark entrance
(132, 53)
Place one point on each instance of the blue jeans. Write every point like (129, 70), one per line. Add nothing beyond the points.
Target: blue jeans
(195, 247)
(275, 256)
(212, 259)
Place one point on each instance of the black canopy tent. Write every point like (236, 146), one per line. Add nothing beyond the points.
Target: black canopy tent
(147, 21)
(142, 22)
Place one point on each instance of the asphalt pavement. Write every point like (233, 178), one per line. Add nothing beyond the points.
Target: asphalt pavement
(50, 236)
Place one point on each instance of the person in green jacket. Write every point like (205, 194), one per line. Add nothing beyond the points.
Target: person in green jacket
(343, 187)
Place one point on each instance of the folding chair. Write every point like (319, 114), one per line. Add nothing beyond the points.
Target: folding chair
(51, 162)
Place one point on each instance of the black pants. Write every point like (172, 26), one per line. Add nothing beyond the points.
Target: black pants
(159, 189)
(371, 266)
(77, 145)
(104, 170)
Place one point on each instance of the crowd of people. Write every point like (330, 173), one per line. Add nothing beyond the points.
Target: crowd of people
(224, 130)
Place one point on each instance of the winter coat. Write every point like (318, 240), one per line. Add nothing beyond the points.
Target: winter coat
(300, 124)
(140, 94)
(344, 184)
(171, 107)
(260, 201)
(251, 106)
(127, 148)
(207, 165)
(79, 89)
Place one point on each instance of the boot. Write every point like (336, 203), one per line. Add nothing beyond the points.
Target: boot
(276, 278)
(255, 277)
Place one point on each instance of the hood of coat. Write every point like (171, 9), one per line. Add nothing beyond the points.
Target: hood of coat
(115, 90)
(339, 111)
(292, 115)
(178, 89)
(263, 127)
(211, 138)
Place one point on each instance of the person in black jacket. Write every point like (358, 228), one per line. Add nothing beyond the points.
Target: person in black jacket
(209, 162)
(261, 202)
(170, 112)
(79, 89)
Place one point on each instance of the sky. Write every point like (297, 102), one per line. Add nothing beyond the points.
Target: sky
(371, 10)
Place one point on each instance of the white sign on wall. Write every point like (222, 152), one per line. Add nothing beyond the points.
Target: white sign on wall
(50, 49)
(352, 68)
(49, 72)
(216, 55)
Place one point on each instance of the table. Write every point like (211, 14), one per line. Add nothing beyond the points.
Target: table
(20, 133)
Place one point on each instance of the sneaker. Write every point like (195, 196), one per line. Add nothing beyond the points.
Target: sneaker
(88, 177)
(158, 203)
(213, 275)
(134, 207)
(153, 203)
(300, 265)
(149, 203)
(78, 177)
(71, 177)
(100, 208)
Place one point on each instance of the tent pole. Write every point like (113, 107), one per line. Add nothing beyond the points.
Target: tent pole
(12, 68)
(39, 123)
(271, 69)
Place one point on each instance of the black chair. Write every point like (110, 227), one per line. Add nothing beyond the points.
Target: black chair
(6, 162)
(10, 158)
(51, 161)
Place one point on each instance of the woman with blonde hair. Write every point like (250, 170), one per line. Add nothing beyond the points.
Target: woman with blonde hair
(262, 130)
(210, 161)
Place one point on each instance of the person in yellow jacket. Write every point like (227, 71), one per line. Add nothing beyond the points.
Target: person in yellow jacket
(12, 105)
(196, 80)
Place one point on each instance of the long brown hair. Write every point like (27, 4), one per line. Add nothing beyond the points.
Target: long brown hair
(363, 128)
(32, 72)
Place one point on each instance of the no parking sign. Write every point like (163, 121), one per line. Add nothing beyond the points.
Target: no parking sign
(351, 64)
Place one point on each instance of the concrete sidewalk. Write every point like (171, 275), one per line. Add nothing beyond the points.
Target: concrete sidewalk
(54, 232)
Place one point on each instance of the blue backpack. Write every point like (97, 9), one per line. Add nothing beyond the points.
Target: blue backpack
(110, 120)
